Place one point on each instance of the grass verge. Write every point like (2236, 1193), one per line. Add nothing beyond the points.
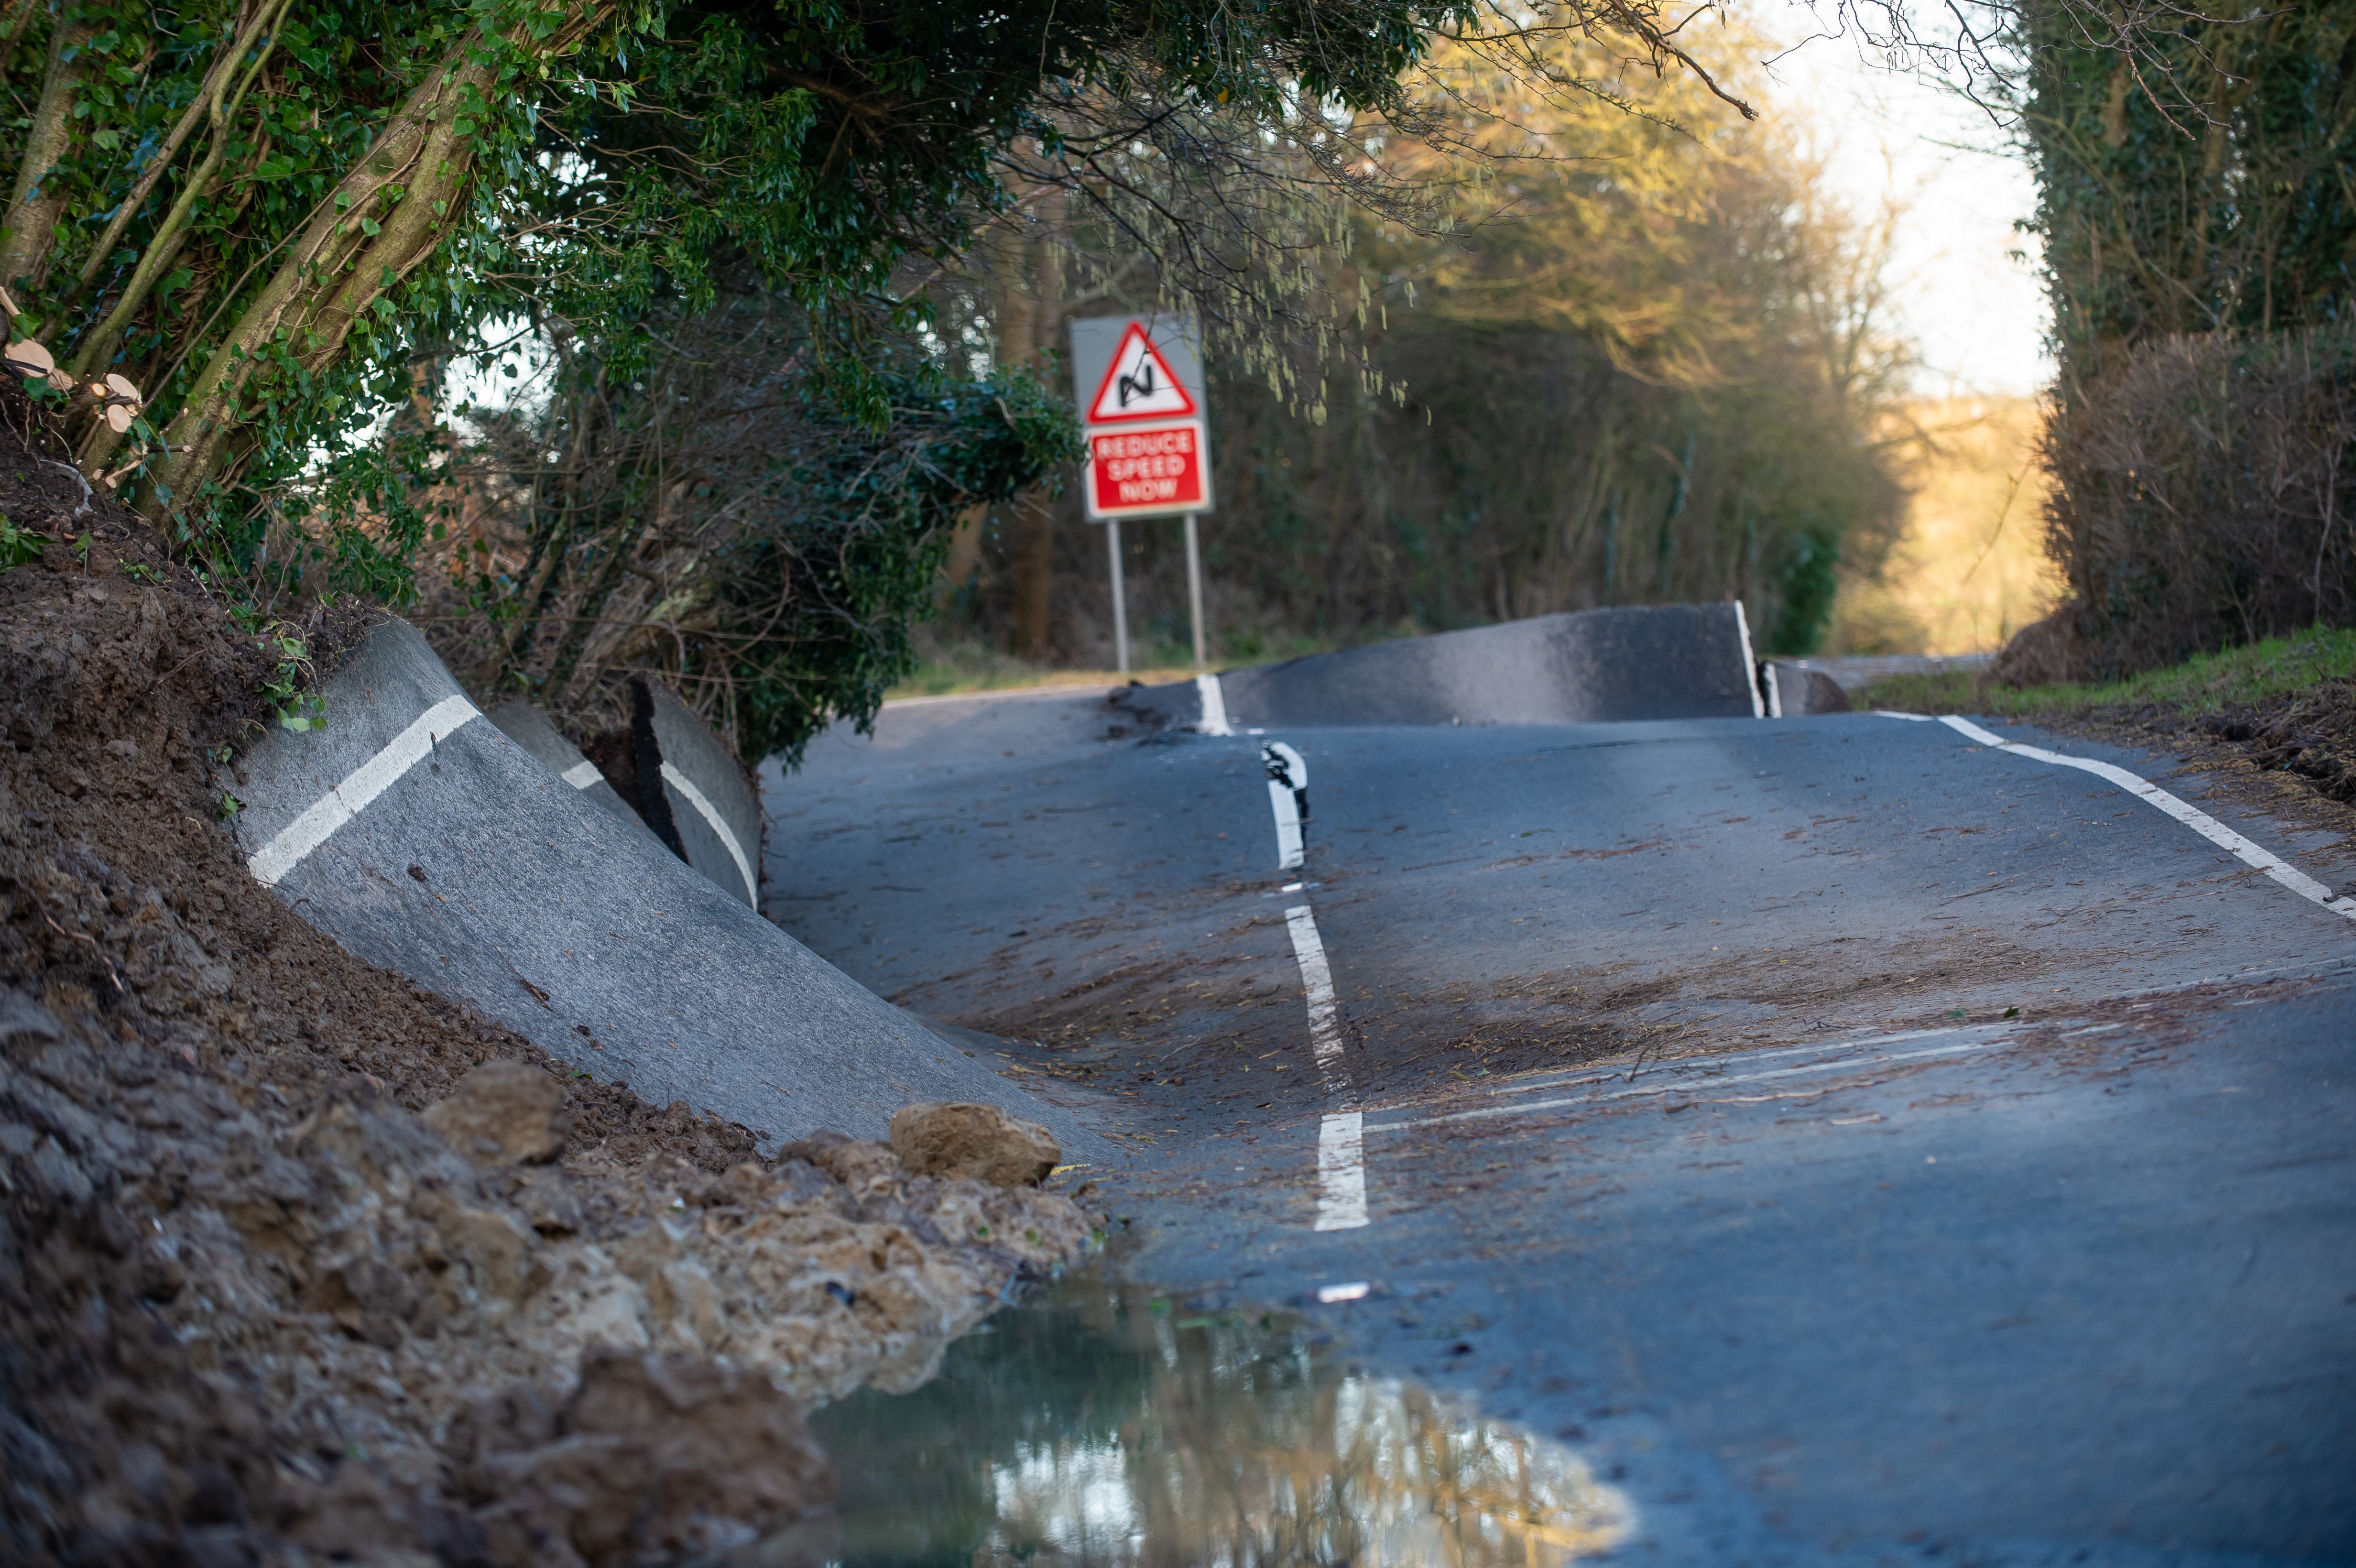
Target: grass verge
(2272, 725)
(2208, 685)
(982, 669)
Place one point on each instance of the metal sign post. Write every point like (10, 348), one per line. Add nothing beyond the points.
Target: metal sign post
(1120, 606)
(1138, 383)
(1195, 589)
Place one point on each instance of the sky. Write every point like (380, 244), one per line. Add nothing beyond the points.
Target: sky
(1978, 315)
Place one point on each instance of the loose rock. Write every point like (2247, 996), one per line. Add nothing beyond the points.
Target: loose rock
(978, 1143)
(652, 1458)
(503, 1114)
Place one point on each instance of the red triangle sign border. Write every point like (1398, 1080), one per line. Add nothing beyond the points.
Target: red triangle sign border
(1136, 333)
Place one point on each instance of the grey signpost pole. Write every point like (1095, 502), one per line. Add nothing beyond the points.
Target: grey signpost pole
(1119, 605)
(1195, 589)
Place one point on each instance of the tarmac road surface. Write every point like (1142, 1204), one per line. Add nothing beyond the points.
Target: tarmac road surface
(1864, 1144)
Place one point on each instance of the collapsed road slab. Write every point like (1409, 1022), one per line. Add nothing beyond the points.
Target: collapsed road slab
(695, 796)
(421, 837)
(527, 727)
(1652, 661)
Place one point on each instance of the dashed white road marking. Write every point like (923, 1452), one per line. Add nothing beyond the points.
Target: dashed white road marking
(1342, 1172)
(2192, 816)
(1317, 981)
(1341, 1134)
(710, 814)
(1214, 705)
(1716, 1063)
(581, 774)
(286, 851)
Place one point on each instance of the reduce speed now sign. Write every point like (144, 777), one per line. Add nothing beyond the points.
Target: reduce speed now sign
(1138, 381)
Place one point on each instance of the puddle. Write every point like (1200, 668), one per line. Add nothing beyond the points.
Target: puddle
(1099, 1425)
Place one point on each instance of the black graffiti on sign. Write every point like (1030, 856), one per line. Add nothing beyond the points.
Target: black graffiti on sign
(1141, 384)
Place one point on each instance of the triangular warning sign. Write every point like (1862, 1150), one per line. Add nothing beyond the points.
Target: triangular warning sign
(1138, 385)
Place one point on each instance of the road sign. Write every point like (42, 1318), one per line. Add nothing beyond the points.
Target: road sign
(1138, 384)
(1139, 378)
(1140, 470)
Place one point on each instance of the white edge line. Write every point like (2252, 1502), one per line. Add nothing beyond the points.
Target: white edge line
(347, 799)
(1774, 692)
(1214, 705)
(581, 774)
(2192, 816)
(1750, 664)
(703, 808)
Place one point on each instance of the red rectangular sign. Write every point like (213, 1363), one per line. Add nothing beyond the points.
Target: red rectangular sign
(1159, 468)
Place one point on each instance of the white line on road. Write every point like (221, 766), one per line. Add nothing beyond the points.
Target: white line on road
(1317, 981)
(286, 852)
(1671, 1064)
(1688, 1086)
(1342, 1172)
(710, 814)
(581, 774)
(1341, 1136)
(2200, 821)
(1288, 827)
(1214, 705)
(1749, 663)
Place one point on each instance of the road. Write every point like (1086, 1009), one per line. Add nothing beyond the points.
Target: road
(1866, 1145)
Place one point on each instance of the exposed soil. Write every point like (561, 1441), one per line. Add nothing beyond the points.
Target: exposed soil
(2294, 753)
(256, 1308)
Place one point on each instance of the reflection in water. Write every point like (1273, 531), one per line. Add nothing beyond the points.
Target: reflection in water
(1099, 1428)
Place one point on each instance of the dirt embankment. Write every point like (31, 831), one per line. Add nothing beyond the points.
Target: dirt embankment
(298, 1262)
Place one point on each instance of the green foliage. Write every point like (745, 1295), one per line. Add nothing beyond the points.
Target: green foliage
(2199, 186)
(2193, 203)
(285, 689)
(734, 520)
(1652, 370)
(262, 214)
(275, 218)
(1805, 584)
(860, 567)
(19, 546)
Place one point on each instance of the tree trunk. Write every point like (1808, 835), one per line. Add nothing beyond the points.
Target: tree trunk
(33, 209)
(1034, 308)
(965, 553)
(386, 217)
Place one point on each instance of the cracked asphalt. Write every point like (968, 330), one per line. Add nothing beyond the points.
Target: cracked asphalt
(1865, 1144)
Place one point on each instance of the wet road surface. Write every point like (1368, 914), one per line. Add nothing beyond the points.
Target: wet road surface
(1857, 1143)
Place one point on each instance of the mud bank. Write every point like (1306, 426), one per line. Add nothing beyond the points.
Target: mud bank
(257, 1306)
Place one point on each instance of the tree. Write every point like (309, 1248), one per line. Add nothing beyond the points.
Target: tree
(2192, 172)
(260, 214)
(1590, 338)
